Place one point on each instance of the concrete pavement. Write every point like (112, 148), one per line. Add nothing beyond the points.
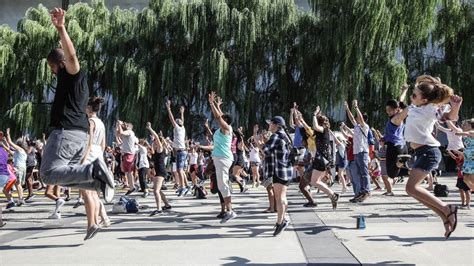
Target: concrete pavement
(399, 230)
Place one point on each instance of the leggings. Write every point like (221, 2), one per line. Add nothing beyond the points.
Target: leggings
(142, 174)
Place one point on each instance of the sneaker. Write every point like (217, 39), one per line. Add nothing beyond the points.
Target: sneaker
(20, 202)
(310, 205)
(59, 204)
(30, 197)
(334, 199)
(186, 190)
(178, 190)
(130, 191)
(102, 173)
(364, 197)
(55, 216)
(228, 216)
(91, 232)
(281, 227)
(165, 208)
(156, 212)
(354, 200)
(220, 215)
(105, 223)
(388, 194)
(108, 192)
(182, 192)
(10, 205)
(78, 203)
(145, 194)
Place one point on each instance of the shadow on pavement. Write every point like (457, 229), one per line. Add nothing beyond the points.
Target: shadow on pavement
(8, 247)
(243, 261)
(411, 241)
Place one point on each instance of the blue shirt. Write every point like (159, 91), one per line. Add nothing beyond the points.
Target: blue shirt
(394, 133)
(222, 145)
(298, 138)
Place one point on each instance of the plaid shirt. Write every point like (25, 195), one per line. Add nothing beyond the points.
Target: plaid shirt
(277, 151)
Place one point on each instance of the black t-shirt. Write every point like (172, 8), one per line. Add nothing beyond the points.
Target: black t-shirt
(323, 143)
(70, 101)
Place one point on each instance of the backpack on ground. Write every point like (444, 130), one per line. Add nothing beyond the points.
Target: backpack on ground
(131, 205)
(441, 190)
(200, 192)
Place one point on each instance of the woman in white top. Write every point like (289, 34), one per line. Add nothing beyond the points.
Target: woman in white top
(143, 166)
(95, 151)
(454, 141)
(255, 160)
(429, 94)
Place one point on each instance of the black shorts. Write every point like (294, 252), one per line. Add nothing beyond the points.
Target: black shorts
(277, 180)
(391, 158)
(29, 170)
(462, 185)
(320, 163)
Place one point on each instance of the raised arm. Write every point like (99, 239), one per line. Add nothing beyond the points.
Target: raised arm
(218, 114)
(456, 102)
(208, 129)
(316, 125)
(441, 128)
(404, 93)
(10, 142)
(156, 138)
(170, 114)
(181, 111)
(466, 134)
(359, 114)
(292, 114)
(71, 62)
(335, 138)
(453, 127)
(349, 114)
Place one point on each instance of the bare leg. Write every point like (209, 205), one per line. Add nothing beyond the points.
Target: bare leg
(89, 203)
(271, 198)
(316, 180)
(157, 183)
(387, 184)
(304, 189)
(281, 201)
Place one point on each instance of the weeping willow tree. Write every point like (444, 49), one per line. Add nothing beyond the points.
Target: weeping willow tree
(260, 55)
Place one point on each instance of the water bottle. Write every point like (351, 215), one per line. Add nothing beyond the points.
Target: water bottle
(361, 222)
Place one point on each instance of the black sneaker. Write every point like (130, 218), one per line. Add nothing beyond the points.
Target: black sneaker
(334, 199)
(166, 208)
(280, 227)
(354, 200)
(156, 212)
(228, 216)
(102, 173)
(130, 191)
(10, 205)
(310, 205)
(220, 215)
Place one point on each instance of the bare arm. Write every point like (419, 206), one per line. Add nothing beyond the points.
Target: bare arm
(453, 127)
(292, 119)
(181, 111)
(456, 102)
(441, 128)
(359, 114)
(71, 61)
(404, 93)
(349, 114)
(316, 125)
(335, 138)
(218, 114)
(156, 138)
(10, 142)
(466, 134)
(89, 143)
(170, 114)
(208, 129)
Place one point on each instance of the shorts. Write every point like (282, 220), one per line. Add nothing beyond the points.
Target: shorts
(193, 168)
(128, 162)
(277, 180)
(180, 160)
(391, 158)
(29, 170)
(376, 174)
(427, 158)
(4, 180)
(257, 164)
(240, 160)
(341, 162)
(462, 185)
(307, 176)
(20, 175)
(173, 167)
(320, 163)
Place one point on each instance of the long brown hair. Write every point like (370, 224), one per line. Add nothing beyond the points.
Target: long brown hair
(433, 90)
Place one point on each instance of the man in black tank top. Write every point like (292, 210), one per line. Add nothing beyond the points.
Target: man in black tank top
(68, 138)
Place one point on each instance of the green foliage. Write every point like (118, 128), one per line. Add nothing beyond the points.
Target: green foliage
(260, 55)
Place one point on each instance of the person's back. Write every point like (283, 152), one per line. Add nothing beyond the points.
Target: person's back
(128, 143)
(179, 134)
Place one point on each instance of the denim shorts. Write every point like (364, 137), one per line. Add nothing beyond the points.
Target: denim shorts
(180, 160)
(427, 158)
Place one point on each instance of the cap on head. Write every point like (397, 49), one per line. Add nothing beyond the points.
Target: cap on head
(277, 120)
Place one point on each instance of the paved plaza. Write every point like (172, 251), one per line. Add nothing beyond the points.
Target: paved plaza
(399, 231)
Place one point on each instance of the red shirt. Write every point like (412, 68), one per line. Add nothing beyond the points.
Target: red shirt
(350, 149)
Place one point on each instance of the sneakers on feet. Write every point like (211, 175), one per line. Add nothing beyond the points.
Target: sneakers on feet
(102, 173)
(310, 205)
(105, 223)
(334, 199)
(91, 232)
(182, 191)
(186, 190)
(220, 215)
(388, 194)
(130, 191)
(165, 208)
(228, 216)
(145, 195)
(59, 204)
(156, 212)
(30, 197)
(78, 203)
(55, 216)
(10, 205)
(280, 227)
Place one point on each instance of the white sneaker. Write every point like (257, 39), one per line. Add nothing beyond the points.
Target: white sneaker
(55, 216)
(59, 204)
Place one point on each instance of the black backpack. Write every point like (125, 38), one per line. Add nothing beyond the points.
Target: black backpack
(441, 190)
(200, 192)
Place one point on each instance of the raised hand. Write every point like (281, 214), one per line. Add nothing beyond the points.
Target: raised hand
(255, 129)
(219, 101)
(456, 100)
(206, 123)
(346, 105)
(317, 111)
(7, 133)
(57, 17)
(405, 87)
(182, 109)
(355, 103)
(212, 97)
(168, 104)
(148, 125)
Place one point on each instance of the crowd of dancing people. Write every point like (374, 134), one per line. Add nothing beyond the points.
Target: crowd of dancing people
(312, 153)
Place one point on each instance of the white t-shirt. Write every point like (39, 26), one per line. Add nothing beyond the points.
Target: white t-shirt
(254, 155)
(420, 123)
(142, 157)
(128, 143)
(341, 149)
(375, 165)
(361, 142)
(454, 141)
(193, 158)
(179, 134)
